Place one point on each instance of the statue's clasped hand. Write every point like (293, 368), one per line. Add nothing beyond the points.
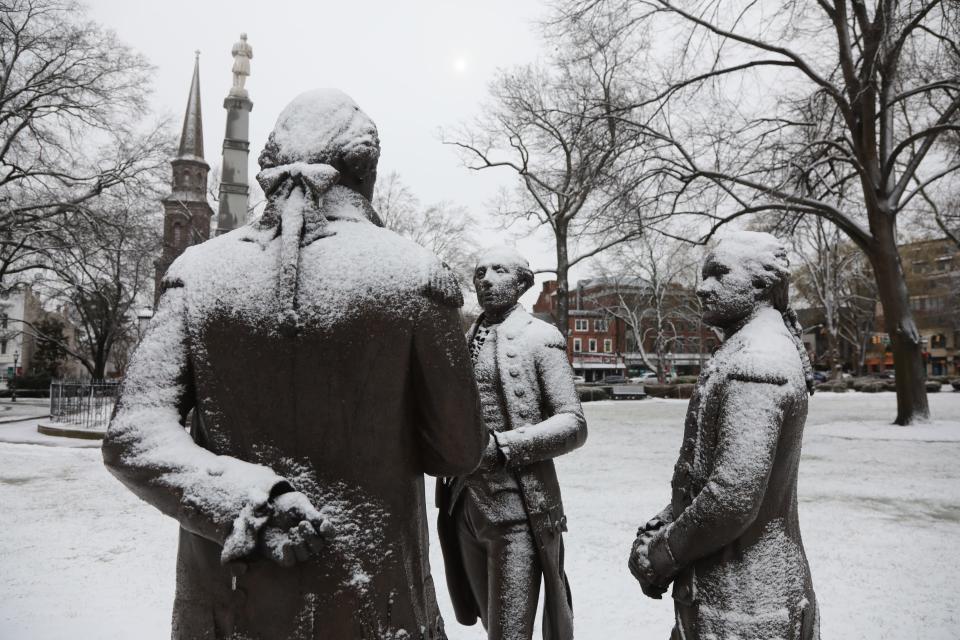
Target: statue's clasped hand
(639, 562)
(294, 530)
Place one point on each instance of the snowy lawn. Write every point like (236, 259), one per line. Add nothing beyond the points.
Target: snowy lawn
(880, 513)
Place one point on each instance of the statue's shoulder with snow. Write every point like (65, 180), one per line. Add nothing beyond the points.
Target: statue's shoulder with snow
(322, 360)
(729, 541)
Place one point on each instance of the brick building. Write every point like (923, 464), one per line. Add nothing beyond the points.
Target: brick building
(601, 343)
(932, 271)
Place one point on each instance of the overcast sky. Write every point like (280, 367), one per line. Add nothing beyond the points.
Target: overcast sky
(414, 67)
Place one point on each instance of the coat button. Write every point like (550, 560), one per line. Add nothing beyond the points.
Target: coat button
(514, 372)
(510, 336)
(511, 353)
(519, 392)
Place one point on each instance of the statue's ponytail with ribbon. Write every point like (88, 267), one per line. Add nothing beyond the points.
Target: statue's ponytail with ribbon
(320, 138)
(295, 209)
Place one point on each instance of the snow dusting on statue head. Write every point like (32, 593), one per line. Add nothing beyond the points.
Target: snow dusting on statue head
(501, 276)
(743, 272)
(325, 126)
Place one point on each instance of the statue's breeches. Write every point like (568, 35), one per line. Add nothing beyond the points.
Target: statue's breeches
(503, 568)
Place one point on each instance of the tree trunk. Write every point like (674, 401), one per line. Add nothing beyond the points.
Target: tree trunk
(661, 355)
(833, 353)
(563, 286)
(910, 369)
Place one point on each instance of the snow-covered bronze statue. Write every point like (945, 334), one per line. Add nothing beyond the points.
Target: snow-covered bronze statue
(500, 526)
(730, 539)
(322, 359)
(242, 55)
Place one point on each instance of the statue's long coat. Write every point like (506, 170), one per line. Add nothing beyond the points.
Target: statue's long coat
(545, 420)
(374, 391)
(733, 542)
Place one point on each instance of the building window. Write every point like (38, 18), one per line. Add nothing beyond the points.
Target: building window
(938, 341)
(592, 345)
(607, 345)
(581, 325)
(577, 345)
(3, 321)
(600, 326)
(177, 233)
(3, 346)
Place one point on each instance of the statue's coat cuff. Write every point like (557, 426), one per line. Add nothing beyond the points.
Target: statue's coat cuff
(661, 557)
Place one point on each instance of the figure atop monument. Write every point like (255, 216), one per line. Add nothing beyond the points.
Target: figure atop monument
(242, 53)
(234, 182)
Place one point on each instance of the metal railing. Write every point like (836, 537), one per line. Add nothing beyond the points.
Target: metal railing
(83, 404)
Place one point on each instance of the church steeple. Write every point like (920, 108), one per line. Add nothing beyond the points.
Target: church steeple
(189, 167)
(186, 212)
(191, 137)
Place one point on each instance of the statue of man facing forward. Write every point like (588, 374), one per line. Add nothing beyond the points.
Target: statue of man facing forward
(729, 541)
(501, 526)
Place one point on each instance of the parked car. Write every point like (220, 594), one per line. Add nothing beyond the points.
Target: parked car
(614, 379)
(647, 376)
(579, 380)
(819, 376)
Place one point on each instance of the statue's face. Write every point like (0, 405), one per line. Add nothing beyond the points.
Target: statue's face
(730, 290)
(497, 283)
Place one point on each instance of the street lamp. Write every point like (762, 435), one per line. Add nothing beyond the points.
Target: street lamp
(13, 392)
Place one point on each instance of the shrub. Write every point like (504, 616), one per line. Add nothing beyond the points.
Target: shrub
(591, 394)
(26, 393)
(40, 381)
(683, 390)
(837, 386)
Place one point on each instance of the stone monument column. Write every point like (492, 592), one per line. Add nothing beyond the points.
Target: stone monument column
(234, 184)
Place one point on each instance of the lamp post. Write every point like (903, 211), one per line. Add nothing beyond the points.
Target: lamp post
(13, 391)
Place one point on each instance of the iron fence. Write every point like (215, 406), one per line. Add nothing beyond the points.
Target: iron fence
(83, 404)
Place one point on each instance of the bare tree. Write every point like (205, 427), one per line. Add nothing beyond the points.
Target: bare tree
(444, 228)
(556, 127)
(103, 275)
(874, 89)
(833, 278)
(71, 96)
(650, 283)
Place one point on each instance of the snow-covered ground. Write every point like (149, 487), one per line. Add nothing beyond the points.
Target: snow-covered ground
(880, 511)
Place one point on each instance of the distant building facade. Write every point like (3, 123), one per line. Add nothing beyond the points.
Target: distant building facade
(932, 272)
(18, 310)
(601, 343)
